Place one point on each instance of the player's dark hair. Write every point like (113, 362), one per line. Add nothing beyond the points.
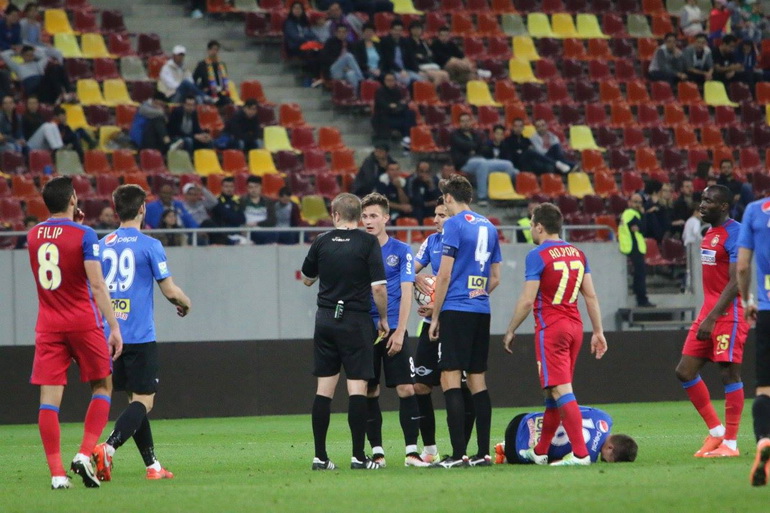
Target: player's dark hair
(212, 44)
(458, 186)
(624, 448)
(254, 179)
(57, 194)
(376, 199)
(128, 199)
(348, 206)
(440, 201)
(549, 216)
(723, 194)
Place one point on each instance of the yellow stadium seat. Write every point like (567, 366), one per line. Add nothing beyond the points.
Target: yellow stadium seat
(521, 71)
(579, 184)
(179, 163)
(563, 26)
(116, 93)
(89, 92)
(529, 131)
(234, 95)
(67, 44)
(524, 48)
(313, 209)
(588, 27)
(106, 134)
(478, 94)
(404, 7)
(276, 139)
(68, 163)
(501, 188)
(207, 163)
(538, 25)
(261, 163)
(93, 46)
(56, 22)
(767, 114)
(76, 118)
(716, 95)
(581, 138)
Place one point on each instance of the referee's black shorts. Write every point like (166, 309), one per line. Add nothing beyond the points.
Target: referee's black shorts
(136, 370)
(345, 343)
(763, 348)
(464, 341)
(399, 368)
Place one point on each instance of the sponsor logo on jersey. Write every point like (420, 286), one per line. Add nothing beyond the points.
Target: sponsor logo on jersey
(96, 250)
(163, 267)
(423, 371)
(121, 308)
(339, 239)
(471, 218)
(708, 256)
(603, 426)
(392, 260)
(477, 282)
(766, 207)
(595, 442)
(715, 241)
(111, 239)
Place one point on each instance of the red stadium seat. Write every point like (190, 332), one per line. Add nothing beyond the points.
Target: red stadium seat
(617, 204)
(514, 111)
(343, 161)
(711, 136)
(105, 69)
(124, 116)
(613, 26)
(301, 185)
(609, 92)
(646, 160)
(488, 24)
(499, 48)
(98, 115)
(328, 186)
(673, 251)
(112, 21)
(290, 115)
(526, 184)
(661, 92)
(646, 47)
(631, 182)
(10, 210)
(750, 161)
(209, 119)
(287, 162)
(647, 115)
(82, 186)
(633, 137)
(567, 204)
(599, 71)
(425, 93)
(256, 24)
(84, 22)
(368, 90)
(234, 161)
(119, 44)
(23, 187)
(604, 184)
(574, 49)
(148, 45)
(38, 160)
(636, 93)
(752, 113)
(545, 69)
(596, 116)
(106, 184)
(673, 114)
(252, 90)
(36, 207)
(621, 115)
(13, 162)
(550, 48)
(96, 163)
(619, 160)
(124, 161)
(314, 161)
(740, 92)
(600, 49)
(570, 115)
(552, 6)
(558, 94)
(660, 137)
(553, 185)
(661, 24)
(272, 183)
(422, 140)
(624, 70)
(689, 94)
(154, 65)
(141, 90)
(585, 91)
(151, 161)
(78, 69)
(724, 116)
(488, 116)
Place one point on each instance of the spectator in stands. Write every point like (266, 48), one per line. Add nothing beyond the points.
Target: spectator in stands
(495, 147)
(320, 26)
(684, 203)
(691, 19)
(228, 212)
(39, 77)
(525, 234)
(297, 31)
(198, 200)
(31, 32)
(107, 220)
(258, 211)
(10, 28)
(663, 216)
(692, 234)
(338, 61)
(742, 193)
(243, 130)
(371, 169)
(702, 171)
(367, 53)
(72, 139)
(467, 153)
(183, 125)
(197, 8)
(396, 58)
(393, 186)
(423, 190)
(392, 112)
(448, 55)
(287, 215)
(166, 201)
(632, 244)
(148, 130)
(718, 19)
(447, 170)
(666, 64)
(746, 54)
(211, 76)
(29, 223)
(11, 135)
(39, 134)
(169, 219)
(518, 149)
(423, 56)
(697, 60)
(547, 144)
(176, 82)
(370, 7)
(727, 67)
(336, 17)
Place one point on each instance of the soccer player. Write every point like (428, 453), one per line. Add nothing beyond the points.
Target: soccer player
(64, 256)
(555, 272)
(524, 432)
(719, 333)
(131, 263)
(754, 238)
(389, 349)
(468, 273)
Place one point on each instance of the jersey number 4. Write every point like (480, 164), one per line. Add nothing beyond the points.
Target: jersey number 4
(574, 265)
(482, 253)
(123, 264)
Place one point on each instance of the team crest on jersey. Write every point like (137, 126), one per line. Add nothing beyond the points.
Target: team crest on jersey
(766, 207)
(392, 260)
(111, 239)
(715, 241)
(603, 426)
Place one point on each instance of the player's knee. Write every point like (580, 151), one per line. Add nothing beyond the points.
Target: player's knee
(405, 390)
(684, 374)
(730, 375)
(372, 391)
(422, 389)
(147, 400)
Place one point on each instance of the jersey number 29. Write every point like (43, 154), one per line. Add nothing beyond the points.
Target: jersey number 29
(574, 265)
(123, 264)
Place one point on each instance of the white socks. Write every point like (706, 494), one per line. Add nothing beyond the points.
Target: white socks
(718, 431)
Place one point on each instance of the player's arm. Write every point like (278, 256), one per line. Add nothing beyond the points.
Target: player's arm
(310, 265)
(494, 277)
(175, 296)
(598, 342)
(441, 287)
(102, 299)
(380, 295)
(729, 293)
(743, 272)
(379, 284)
(521, 311)
(396, 341)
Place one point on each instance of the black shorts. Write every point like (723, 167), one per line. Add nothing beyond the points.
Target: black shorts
(345, 343)
(511, 454)
(136, 370)
(464, 341)
(426, 359)
(763, 348)
(399, 368)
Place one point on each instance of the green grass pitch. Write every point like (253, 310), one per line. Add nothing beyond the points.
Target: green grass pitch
(260, 464)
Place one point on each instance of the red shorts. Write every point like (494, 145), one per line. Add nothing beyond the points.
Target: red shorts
(726, 344)
(557, 347)
(55, 351)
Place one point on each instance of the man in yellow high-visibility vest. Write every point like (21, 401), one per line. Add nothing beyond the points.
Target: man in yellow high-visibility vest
(632, 243)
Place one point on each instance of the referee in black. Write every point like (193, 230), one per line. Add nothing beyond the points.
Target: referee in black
(348, 262)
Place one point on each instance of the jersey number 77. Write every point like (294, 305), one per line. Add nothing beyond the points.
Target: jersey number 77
(565, 269)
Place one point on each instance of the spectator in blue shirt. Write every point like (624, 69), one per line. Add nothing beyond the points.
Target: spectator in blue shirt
(166, 201)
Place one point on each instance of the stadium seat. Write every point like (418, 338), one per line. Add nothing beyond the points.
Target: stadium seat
(689, 94)
(124, 116)
(343, 161)
(513, 25)
(715, 94)
(151, 162)
(700, 116)
(209, 119)
(112, 21)
(638, 26)
(106, 135)
(546, 70)
(763, 93)
(646, 48)
(82, 186)
(524, 48)
(740, 92)
(67, 44)
(424, 93)
(132, 68)
(55, 22)
(661, 24)
(624, 70)
(502, 7)
(462, 23)
(96, 163)
(68, 163)
(104, 69)
(116, 93)
(234, 161)
(574, 49)
(749, 160)
(571, 115)
(646, 160)
(617, 204)
(760, 184)
(621, 115)
(501, 188)
(287, 162)
(313, 209)
(605, 184)
(558, 94)
(422, 140)
(179, 162)
(596, 115)
(404, 7)
(261, 163)
(23, 187)
(673, 251)
(526, 184)
(92, 46)
(266, 115)
(661, 92)
(488, 25)
(124, 161)
(553, 185)
(631, 182)
(330, 139)
(10, 210)
(314, 162)
(36, 207)
(550, 6)
(78, 69)
(207, 163)
(740, 138)
(148, 45)
(327, 184)
(521, 71)
(579, 184)
(636, 93)
(588, 27)
(660, 137)
(478, 94)
(606, 137)
(290, 115)
(76, 118)
(538, 25)
(761, 136)
(613, 26)
(608, 220)
(488, 117)
(38, 160)
(581, 138)
(89, 93)
(673, 114)
(300, 184)
(599, 71)
(302, 139)
(647, 115)
(84, 22)
(592, 161)
(140, 179)
(563, 26)
(120, 45)
(252, 90)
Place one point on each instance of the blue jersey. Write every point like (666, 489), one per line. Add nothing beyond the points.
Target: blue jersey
(472, 241)
(131, 263)
(596, 429)
(399, 268)
(430, 253)
(755, 235)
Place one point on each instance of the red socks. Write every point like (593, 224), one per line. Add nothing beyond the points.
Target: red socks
(733, 408)
(551, 420)
(48, 424)
(96, 419)
(700, 398)
(572, 421)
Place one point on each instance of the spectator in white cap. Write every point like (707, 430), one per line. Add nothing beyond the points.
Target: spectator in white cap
(176, 82)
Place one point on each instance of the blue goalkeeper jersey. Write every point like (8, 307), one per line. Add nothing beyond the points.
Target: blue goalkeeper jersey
(596, 429)
(131, 263)
(430, 254)
(399, 268)
(755, 235)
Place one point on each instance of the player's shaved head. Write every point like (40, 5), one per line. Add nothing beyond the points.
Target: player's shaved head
(57, 194)
(622, 448)
(376, 199)
(458, 187)
(549, 217)
(128, 200)
(720, 194)
(347, 206)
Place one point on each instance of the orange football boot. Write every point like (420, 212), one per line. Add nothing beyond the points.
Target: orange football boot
(760, 470)
(159, 474)
(103, 462)
(723, 451)
(709, 444)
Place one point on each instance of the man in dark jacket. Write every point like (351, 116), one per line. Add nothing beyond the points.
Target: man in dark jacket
(243, 129)
(520, 151)
(338, 62)
(211, 76)
(391, 111)
(423, 191)
(368, 54)
(227, 212)
(396, 57)
(371, 169)
(183, 125)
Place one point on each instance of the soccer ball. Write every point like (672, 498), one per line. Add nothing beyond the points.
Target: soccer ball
(425, 299)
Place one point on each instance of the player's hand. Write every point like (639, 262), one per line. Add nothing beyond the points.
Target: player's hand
(421, 283)
(116, 343)
(750, 313)
(425, 310)
(433, 331)
(395, 343)
(79, 216)
(382, 326)
(598, 345)
(508, 341)
(182, 310)
(705, 329)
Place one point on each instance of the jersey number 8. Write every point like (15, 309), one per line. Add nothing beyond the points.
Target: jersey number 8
(125, 264)
(48, 271)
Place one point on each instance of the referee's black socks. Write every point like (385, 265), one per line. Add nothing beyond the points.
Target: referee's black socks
(455, 419)
(374, 421)
(483, 407)
(357, 423)
(761, 412)
(321, 413)
(127, 424)
(409, 415)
